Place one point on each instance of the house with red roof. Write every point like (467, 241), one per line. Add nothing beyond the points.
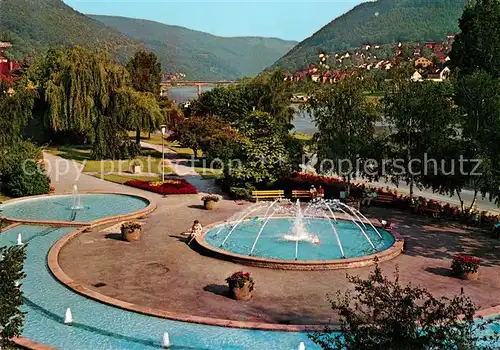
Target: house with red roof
(7, 66)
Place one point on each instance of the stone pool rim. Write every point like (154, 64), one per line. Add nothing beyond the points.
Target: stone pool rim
(150, 207)
(26, 343)
(300, 265)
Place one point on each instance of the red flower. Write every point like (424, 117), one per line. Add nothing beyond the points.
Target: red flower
(182, 187)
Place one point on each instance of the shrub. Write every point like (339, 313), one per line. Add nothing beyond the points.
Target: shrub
(11, 296)
(179, 186)
(238, 280)
(463, 264)
(29, 180)
(240, 193)
(381, 313)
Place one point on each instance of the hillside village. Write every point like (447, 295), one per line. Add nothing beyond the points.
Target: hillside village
(429, 59)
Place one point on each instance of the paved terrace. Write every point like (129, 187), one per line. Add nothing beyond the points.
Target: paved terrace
(162, 272)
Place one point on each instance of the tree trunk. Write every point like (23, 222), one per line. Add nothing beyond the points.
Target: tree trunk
(138, 136)
(473, 200)
(411, 187)
(461, 202)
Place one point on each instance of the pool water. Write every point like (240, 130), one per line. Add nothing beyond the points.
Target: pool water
(272, 244)
(58, 208)
(99, 326)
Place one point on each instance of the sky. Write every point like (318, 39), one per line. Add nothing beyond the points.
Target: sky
(290, 20)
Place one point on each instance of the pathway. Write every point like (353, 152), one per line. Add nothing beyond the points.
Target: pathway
(186, 172)
(467, 195)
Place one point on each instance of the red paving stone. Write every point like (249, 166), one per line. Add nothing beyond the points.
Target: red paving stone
(162, 272)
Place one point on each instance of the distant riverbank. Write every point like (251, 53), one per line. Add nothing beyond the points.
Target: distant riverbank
(302, 122)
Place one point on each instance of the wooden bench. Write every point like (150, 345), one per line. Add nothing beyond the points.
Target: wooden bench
(430, 210)
(383, 198)
(272, 194)
(301, 194)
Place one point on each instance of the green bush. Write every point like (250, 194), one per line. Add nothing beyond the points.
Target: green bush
(27, 180)
(240, 193)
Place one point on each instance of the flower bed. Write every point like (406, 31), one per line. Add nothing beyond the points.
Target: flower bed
(177, 186)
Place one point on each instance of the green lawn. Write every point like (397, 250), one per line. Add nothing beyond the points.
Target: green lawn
(302, 137)
(149, 159)
(208, 173)
(121, 179)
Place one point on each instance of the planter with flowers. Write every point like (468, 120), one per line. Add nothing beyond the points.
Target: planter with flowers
(240, 285)
(131, 231)
(465, 267)
(210, 201)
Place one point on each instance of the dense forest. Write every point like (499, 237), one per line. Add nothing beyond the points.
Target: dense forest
(379, 22)
(202, 55)
(36, 26)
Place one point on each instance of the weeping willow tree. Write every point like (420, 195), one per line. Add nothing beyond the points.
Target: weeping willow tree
(83, 91)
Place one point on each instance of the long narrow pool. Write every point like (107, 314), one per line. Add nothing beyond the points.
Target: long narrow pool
(99, 326)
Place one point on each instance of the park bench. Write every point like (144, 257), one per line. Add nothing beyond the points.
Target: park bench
(271, 194)
(383, 199)
(297, 194)
(430, 210)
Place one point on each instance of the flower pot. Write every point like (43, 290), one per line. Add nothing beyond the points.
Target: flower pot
(469, 276)
(242, 293)
(210, 205)
(135, 169)
(131, 235)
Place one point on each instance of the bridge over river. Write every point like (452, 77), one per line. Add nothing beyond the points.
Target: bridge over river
(165, 85)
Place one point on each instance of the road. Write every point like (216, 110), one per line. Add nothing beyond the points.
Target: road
(467, 196)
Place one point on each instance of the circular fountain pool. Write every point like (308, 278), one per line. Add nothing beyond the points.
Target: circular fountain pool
(90, 207)
(321, 235)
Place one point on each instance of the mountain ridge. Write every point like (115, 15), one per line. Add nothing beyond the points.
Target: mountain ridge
(377, 22)
(196, 51)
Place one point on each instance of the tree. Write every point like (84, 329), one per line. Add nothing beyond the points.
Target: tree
(145, 74)
(477, 46)
(11, 295)
(384, 314)
(269, 93)
(83, 91)
(196, 132)
(478, 99)
(172, 113)
(421, 115)
(266, 152)
(345, 122)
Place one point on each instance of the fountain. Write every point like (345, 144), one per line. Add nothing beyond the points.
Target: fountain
(19, 240)
(322, 230)
(166, 340)
(298, 231)
(76, 199)
(302, 346)
(68, 318)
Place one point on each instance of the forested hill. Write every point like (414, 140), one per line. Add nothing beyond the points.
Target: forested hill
(37, 25)
(201, 55)
(379, 22)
